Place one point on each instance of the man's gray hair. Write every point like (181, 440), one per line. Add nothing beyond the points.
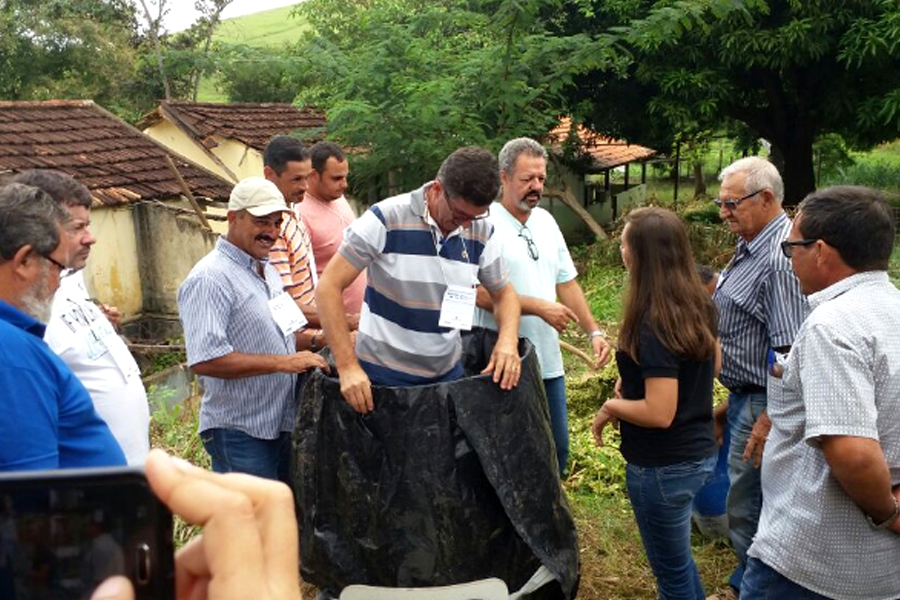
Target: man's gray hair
(28, 217)
(514, 148)
(760, 175)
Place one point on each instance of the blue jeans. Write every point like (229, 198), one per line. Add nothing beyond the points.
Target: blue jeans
(232, 450)
(555, 389)
(661, 498)
(745, 493)
(762, 582)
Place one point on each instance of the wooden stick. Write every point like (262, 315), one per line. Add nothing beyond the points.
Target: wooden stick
(579, 353)
(188, 194)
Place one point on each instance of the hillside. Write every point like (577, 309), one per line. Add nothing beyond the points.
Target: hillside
(267, 28)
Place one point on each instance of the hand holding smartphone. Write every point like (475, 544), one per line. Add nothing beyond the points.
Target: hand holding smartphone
(62, 533)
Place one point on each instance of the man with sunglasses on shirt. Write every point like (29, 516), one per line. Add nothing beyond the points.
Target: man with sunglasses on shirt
(424, 251)
(543, 274)
(760, 308)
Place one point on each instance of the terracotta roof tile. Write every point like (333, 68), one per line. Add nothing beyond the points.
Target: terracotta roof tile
(606, 152)
(118, 163)
(251, 123)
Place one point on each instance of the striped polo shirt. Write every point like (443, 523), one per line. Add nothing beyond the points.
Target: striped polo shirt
(292, 257)
(760, 305)
(224, 308)
(410, 263)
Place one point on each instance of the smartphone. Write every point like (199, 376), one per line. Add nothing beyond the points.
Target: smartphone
(63, 532)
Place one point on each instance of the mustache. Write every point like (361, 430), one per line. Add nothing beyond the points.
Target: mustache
(265, 238)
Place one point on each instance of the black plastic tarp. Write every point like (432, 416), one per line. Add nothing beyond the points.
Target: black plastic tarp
(439, 485)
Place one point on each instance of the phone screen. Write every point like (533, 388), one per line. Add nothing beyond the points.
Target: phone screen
(63, 532)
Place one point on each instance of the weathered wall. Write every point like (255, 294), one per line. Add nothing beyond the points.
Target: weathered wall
(168, 246)
(240, 159)
(112, 274)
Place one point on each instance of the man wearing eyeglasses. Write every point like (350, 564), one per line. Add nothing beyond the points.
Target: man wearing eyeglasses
(83, 333)
(424, 251)
(760, 308)
(47, 418)
(830, 523)
(543, 274)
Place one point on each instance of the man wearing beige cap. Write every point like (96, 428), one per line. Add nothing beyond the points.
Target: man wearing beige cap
(240, 330)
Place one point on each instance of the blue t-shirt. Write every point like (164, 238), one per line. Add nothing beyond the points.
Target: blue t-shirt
(47, 419)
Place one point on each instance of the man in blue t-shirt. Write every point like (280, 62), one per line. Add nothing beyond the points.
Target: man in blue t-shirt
(47, 418)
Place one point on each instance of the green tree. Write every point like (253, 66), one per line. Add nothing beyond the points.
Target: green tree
(67, 49)
(408, 81)
(789, 71)
(259, 74)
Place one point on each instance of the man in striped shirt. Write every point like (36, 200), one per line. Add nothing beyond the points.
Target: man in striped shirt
(424, 251)
(760, 308)
(287, 164)
(239, 329)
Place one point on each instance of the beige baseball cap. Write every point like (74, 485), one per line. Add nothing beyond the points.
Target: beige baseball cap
(258, 196)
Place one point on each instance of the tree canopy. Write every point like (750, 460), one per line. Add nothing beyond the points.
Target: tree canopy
(786, 70)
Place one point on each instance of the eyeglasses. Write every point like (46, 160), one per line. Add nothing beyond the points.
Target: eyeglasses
(525, 234)
(787, 248)
(463, 217)
(733, 204)
(63, 269)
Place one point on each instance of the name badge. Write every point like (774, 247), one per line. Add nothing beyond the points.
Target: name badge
(286, 313)
(458, 307)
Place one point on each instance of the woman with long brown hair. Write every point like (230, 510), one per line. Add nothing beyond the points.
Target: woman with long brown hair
(667, 359)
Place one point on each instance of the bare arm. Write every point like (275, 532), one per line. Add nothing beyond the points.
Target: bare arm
(355, 385)
(860, 468)
(505, 363)
(572, 296)
(238, 365)
(656, 410)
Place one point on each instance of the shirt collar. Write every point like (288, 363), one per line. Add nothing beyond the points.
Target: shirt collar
(764, 238)
(238, 255)
(845, 285)
(22, 320)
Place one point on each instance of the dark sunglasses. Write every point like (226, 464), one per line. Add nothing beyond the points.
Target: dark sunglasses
(787, 248)
(733, 204)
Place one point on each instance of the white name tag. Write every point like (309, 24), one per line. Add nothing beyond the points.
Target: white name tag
(286, 313)
(458, 307)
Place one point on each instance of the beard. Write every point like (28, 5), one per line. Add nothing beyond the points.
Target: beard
(38, 300)
(529, 201)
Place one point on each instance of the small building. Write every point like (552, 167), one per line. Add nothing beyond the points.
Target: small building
(147, 235)
(228, 139)
(585, 161)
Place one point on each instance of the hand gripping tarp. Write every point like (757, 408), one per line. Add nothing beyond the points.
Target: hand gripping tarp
(439, 485)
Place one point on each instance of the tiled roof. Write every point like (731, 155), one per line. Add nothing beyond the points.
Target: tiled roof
(606, 152)
(118, 163)
(251, 123)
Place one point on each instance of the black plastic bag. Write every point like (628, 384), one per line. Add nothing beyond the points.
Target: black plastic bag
(439, 485)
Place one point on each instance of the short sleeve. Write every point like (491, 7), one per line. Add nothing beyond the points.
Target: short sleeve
(838, 386)
(364, 239)
(655, 358)
(205, 308)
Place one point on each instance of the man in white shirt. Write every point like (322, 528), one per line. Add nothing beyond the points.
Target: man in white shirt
(83, 333)
(543, 274)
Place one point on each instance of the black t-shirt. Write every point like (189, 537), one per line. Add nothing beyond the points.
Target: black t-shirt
(690, 437)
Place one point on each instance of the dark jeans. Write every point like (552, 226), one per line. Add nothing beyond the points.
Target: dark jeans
(555, 389)
(762, 582)
(232, 450)
(662, 499)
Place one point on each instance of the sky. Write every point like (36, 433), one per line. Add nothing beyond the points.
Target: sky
(182, 13)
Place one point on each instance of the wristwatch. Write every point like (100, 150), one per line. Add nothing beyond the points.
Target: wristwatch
(596, 333)
(887, 522)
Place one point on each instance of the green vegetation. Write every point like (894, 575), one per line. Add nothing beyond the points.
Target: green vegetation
(273, 28)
